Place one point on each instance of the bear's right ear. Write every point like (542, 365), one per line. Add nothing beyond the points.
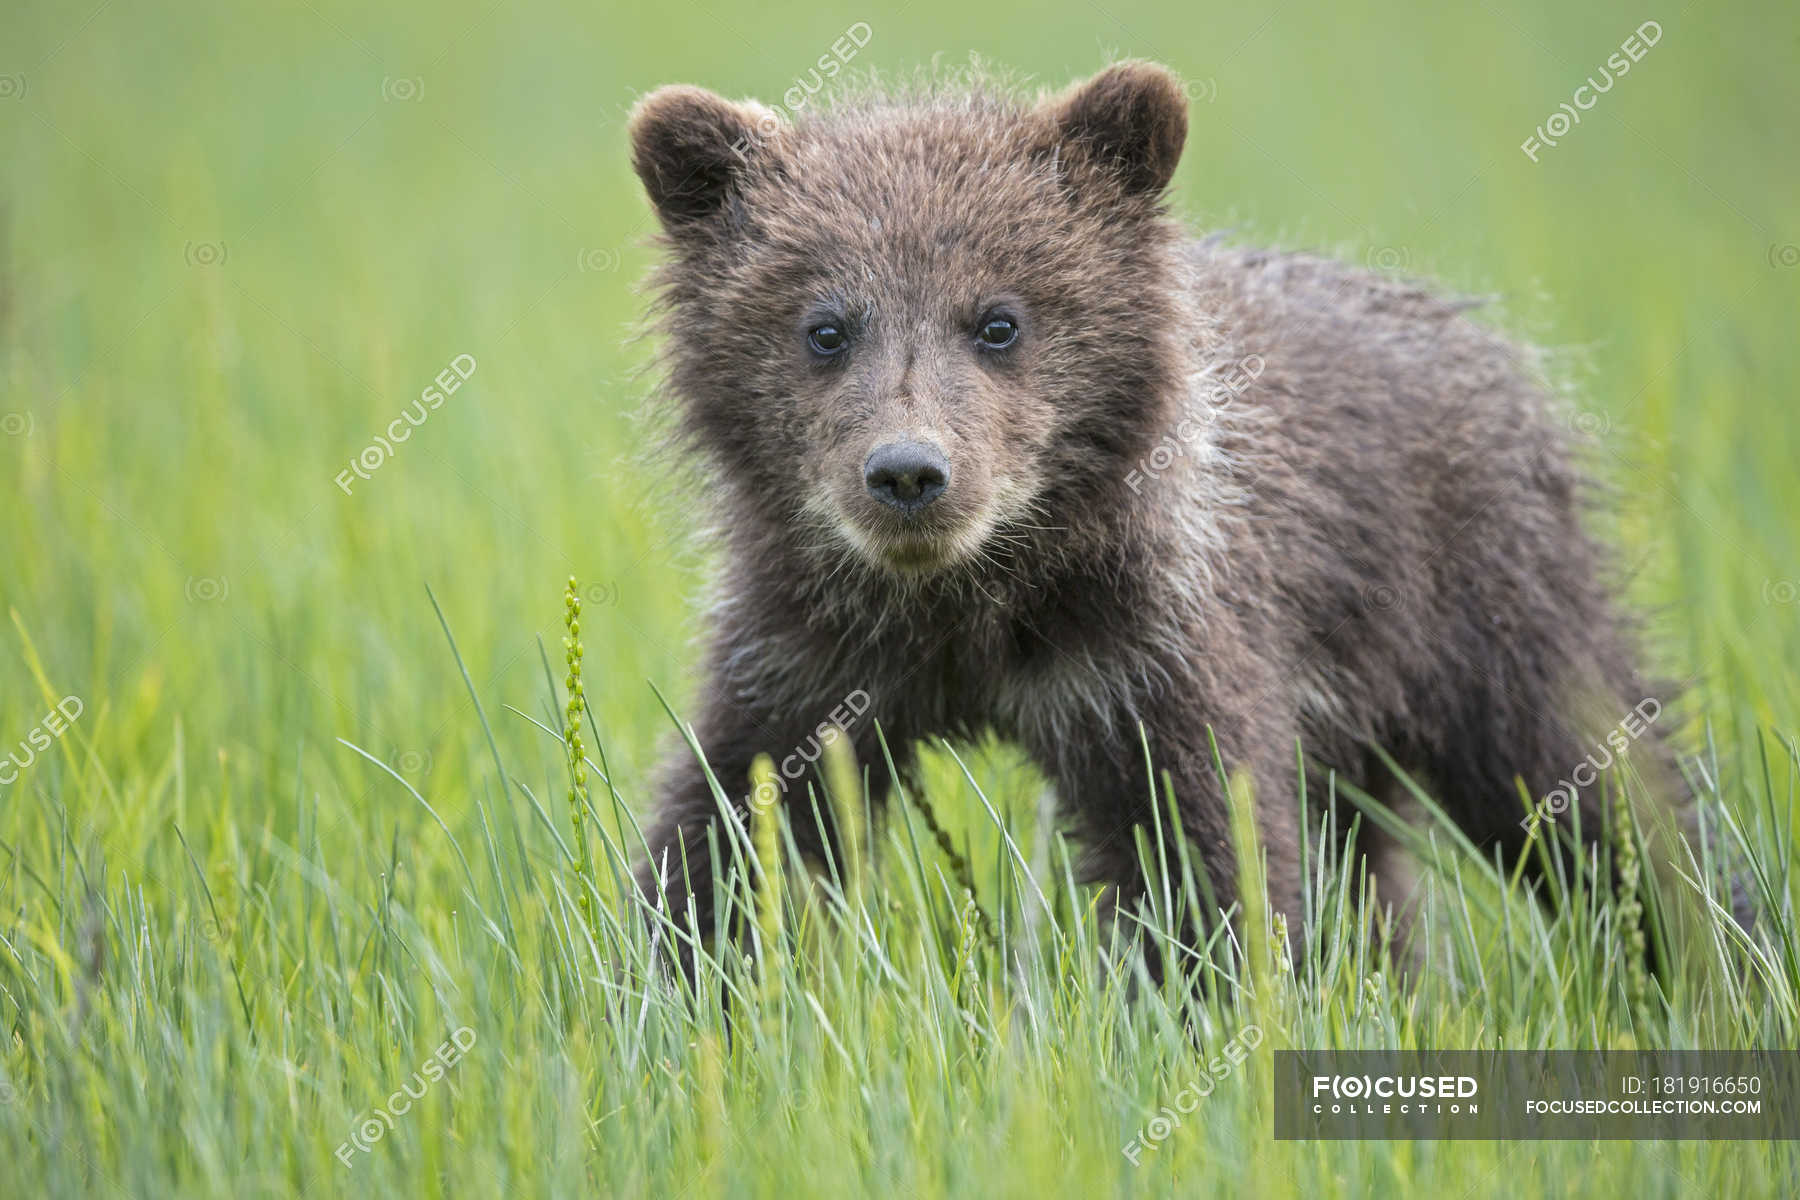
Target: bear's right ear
(688, 146)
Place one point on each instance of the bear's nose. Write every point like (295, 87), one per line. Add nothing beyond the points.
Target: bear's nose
(907, 475)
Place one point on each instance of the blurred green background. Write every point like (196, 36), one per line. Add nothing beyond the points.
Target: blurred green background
(237, 241)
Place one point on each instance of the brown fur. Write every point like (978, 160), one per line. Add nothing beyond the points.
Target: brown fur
(1376, 543)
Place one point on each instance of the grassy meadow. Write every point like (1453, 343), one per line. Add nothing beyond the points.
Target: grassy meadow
(302, 823)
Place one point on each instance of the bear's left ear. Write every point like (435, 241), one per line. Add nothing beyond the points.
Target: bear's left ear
(1130, 120)
(689, 146)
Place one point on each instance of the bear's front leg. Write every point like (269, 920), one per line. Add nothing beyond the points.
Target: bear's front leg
(1107, 787)
(680, 877)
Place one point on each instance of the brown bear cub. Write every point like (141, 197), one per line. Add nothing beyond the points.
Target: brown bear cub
(993, 445)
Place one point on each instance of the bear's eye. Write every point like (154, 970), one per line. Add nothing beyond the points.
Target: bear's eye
(997, 333)
(826, 339)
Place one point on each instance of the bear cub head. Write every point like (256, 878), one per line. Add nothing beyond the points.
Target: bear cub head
(921, 331)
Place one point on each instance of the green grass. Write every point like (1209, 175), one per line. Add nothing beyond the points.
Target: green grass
(282, 854)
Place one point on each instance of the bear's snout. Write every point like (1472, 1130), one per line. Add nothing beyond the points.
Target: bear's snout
(906, 475)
